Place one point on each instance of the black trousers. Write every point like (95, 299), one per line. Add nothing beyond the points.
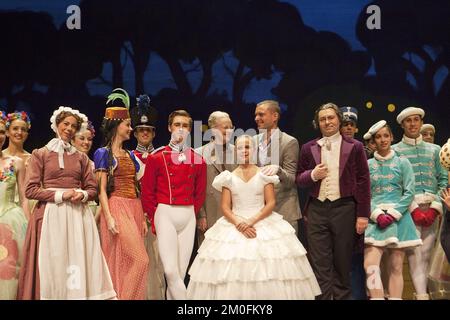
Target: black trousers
(331, 234)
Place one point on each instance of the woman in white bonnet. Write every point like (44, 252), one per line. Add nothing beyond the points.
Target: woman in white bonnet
(62, 254)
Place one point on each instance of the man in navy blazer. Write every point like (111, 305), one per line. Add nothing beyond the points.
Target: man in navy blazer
(336, 171)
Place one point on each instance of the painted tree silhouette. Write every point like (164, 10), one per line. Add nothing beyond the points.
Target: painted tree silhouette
(321, 59)
(29, 40)
(414, 44)
(107, 23)
(267, 36)
(75, 63)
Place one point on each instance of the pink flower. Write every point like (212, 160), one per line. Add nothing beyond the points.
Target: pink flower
(9, 253)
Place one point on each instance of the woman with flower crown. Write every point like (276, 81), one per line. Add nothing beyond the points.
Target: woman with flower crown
(62, 253)
(18, 126)
(13, 223)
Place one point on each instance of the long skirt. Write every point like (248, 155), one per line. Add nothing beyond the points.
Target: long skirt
(63, 256)
(125, 252)
(13, 227)
(439, 274)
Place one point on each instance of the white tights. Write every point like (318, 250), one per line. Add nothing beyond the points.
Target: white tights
(175, 229)
(419, 259)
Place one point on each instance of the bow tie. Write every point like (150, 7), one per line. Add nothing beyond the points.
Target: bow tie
(66, 146)
(177, 147)
(181, 157)
(325, 142)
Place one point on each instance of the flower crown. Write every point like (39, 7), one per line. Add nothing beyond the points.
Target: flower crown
(84, 119)
(2, 116)
(18, 115)
(89, 127)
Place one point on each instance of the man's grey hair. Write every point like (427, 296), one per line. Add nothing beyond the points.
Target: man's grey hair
(216, 115)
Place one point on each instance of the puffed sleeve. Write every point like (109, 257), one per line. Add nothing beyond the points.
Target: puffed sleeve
(222, 180)
(269, 179)
(137, 165)
(101, 159)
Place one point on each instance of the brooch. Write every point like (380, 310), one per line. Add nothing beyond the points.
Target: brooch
(181, 157)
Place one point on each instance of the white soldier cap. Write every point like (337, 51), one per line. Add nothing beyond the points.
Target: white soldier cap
(427, 126)
(374, 129)
(410, 111)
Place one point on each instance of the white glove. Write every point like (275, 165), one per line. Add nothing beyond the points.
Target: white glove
(270, 170)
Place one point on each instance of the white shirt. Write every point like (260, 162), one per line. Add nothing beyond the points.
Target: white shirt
(263, 147)
(330, 153)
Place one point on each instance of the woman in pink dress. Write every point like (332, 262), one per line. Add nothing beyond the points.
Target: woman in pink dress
(62, 253)
(122, 222)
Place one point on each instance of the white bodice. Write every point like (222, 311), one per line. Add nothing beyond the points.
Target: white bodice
(247, 197)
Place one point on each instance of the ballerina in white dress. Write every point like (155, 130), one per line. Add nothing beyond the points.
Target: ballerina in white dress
(251, 253)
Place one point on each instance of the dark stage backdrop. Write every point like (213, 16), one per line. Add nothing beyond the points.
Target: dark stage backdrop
(207, 55)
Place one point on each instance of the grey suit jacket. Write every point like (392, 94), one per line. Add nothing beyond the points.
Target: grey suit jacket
(286, 156)
(211, 208)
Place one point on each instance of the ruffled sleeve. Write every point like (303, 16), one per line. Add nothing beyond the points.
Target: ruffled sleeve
(222, 180)
(101, 159)
(269, 179)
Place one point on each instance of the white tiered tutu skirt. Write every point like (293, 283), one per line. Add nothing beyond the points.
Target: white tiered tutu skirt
(271, 266)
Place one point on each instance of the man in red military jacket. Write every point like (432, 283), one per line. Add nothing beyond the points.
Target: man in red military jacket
(173, 191)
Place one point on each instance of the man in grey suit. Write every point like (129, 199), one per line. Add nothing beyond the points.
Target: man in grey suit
(219, 156)
(278, 154)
